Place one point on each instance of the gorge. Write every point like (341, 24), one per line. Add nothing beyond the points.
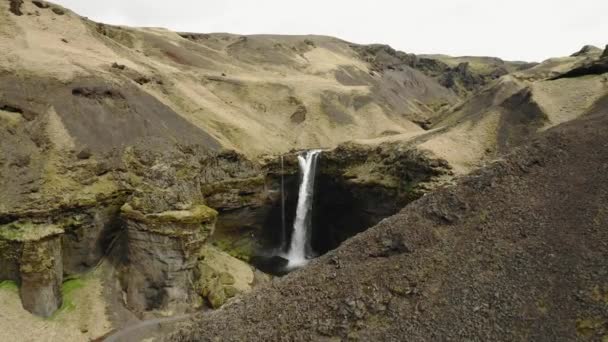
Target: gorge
(183, 186)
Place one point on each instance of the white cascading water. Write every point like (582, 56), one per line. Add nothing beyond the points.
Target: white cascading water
(283, 231)
(300, 238)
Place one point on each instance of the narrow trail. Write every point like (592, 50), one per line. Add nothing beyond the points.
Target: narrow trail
(144, 329)
(138, 330)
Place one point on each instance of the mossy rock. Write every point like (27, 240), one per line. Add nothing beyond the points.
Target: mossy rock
(73, 222)
(10, 250)
(242, 249)
(230, 291)
(216, 295)
(226, 278)
(197, 214)
(222, 276)
(68, 288)
(217, 299)
(587, 327)
(27, 231)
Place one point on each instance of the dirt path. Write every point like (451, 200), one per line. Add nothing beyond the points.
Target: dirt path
(145, 329)
(81, 318)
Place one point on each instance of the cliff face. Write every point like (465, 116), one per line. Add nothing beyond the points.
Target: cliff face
(141, 146)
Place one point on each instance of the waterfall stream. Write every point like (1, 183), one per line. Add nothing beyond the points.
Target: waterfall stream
(283, 229)
(299, 246)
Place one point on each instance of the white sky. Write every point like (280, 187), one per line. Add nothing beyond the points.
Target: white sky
(531, 30)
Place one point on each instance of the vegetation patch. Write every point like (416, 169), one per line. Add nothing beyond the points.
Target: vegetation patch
(9, 285)
(241, 249)
(27, 231)
(198, 214)
(68, 289)
(587, 327)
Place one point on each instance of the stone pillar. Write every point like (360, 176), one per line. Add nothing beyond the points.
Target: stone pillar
(163, 251)
(31, 255)
(41, 276)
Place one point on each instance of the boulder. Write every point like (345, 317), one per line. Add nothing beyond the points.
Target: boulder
(163, 252)
(222, 276)
(42, 276)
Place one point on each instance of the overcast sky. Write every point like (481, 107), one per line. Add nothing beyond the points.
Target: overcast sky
(531, 30)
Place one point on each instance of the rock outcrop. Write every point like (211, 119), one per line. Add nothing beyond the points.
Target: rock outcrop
(31, 255)
(463, 75)
(163, 251)
(40, 247)
(223, 276)
(587, 50)
(594, 67)
(16, 7)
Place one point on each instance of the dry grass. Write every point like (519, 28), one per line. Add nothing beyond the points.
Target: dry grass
(82, 317)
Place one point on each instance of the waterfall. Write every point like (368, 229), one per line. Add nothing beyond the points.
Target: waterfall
(300, 238)
(283, 229)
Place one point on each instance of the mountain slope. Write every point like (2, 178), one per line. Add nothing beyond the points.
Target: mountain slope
(510, 110)
(256, 94)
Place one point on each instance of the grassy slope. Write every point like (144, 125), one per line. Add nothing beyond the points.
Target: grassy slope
(243, 91)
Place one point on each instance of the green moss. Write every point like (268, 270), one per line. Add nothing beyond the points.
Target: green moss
(72, 284)
(198, 214)
(68, 288)
(10, 251)
(226, 278)
(541, 304)
(587, 327)
(72, 222)
(134, 180)
(600, 293)
(186, 173)
(483, 216)
(27, 231)
(217, 298)
(242, 250)
(9, 285)
(230, 291)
